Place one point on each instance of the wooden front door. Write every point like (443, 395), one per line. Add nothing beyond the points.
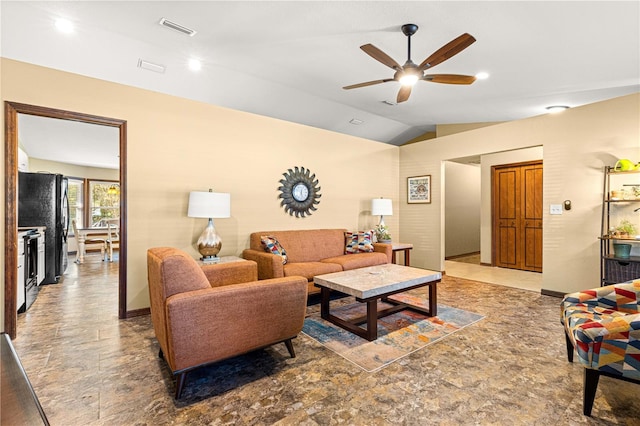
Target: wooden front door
(517, 216)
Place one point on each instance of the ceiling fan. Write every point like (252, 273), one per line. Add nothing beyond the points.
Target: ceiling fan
(409, 73)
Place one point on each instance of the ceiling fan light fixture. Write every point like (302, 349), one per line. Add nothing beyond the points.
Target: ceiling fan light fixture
(482, 75)
(408, 79)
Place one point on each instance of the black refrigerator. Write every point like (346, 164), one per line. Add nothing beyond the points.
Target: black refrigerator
(43, 201)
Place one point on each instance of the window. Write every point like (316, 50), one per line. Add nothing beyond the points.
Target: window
(104, 202)
(75, 193)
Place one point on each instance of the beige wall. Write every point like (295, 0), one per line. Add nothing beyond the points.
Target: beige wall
(576, 145)
(39, 165)
(462, 208)
(451, 129)
(176, 146)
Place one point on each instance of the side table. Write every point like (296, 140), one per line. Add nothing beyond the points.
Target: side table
(230, 270)
(223, 259)
(405, 247)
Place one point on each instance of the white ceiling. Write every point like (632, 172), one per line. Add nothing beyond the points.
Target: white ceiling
(70, 142)
(290, 60)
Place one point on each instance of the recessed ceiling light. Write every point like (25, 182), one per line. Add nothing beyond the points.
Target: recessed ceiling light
(356, 121)
(554, 109)
(482, 75)
(195, 65)
(64, 25)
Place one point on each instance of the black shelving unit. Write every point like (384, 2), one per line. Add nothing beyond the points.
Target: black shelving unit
(617, 269)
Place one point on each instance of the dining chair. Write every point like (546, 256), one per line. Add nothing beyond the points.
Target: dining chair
(113, 239)
(82, 242)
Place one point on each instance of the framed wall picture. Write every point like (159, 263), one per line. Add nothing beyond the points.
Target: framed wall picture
(419, 189)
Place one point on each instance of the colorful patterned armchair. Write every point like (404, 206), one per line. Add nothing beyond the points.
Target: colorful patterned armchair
(603, 325)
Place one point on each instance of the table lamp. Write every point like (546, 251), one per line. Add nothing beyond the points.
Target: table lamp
(381, 207)
(211, 205)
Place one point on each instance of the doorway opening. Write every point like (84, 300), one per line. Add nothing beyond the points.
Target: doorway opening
(468, 266)
(463, 197)
(12, 110)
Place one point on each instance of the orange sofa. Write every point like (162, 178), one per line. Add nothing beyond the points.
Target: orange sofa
(309, 253)
(204, 314)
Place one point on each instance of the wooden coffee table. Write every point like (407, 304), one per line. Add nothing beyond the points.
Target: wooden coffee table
(368, 285)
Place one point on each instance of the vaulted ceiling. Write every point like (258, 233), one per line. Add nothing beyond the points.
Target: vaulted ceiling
(290, 60)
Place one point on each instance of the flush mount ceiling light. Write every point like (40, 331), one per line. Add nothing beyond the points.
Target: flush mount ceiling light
(554, 109)
(64, 25)
(177, 27)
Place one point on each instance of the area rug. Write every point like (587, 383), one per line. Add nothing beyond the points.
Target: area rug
(399, 334)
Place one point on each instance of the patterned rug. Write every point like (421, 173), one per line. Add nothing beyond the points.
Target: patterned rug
(399, 334)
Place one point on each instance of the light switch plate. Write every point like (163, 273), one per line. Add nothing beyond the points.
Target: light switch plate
(555, 208)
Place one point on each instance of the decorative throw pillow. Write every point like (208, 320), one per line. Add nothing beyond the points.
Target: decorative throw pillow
(271, 245)
(358, 242)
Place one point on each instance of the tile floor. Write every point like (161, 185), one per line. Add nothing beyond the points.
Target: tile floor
(525, 280)
(89, 368)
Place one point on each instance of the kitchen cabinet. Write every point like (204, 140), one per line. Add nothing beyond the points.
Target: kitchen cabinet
(41, 258)
(621, 201)
(20, 293)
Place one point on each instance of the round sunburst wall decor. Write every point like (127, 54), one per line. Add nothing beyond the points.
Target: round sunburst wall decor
(299, 192)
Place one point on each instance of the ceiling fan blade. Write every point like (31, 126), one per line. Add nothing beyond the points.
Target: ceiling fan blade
(449, 78)
(403, 93)
(368, 83)
(380, 56)
(450, 49)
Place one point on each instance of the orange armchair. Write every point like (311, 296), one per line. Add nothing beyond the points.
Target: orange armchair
(202, 315)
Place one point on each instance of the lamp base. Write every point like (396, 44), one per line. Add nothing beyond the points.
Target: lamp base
(209, 260)
(209, 243)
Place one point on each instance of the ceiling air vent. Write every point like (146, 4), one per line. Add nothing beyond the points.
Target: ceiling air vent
(177, 27)
(150, 66)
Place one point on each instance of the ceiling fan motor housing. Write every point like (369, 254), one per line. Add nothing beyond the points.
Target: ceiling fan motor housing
(409, 29)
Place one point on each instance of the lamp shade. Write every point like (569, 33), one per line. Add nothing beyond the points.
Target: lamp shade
(209, 204)
(381, 207)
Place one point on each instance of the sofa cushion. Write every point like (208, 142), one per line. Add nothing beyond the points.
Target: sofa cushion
(358, 242)
(271, 245)
(309, 245)
(310, 269)
(361, 260)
